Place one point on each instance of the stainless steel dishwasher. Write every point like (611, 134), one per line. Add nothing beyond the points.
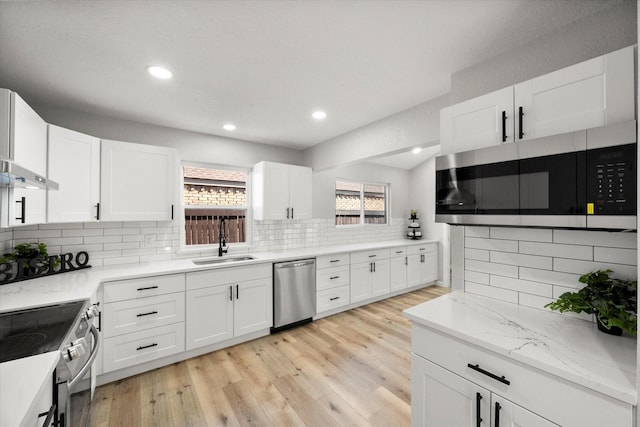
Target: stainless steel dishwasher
(294, 293)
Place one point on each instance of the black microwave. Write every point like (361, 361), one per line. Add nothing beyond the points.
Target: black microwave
(581, 179)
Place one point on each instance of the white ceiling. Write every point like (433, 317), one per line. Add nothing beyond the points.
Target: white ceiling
(263, 65)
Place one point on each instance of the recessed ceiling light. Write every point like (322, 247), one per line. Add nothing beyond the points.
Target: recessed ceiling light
(319, 115)
(416, 150)
(229, 126)
(159, 72)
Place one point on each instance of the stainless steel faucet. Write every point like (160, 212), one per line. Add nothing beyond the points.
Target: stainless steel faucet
(222, 247)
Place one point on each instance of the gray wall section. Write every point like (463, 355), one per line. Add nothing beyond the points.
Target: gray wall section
(192, 146)
(417, 126)
(587, 38)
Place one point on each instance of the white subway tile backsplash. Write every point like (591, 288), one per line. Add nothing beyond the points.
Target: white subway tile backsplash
(533, 267)
(103, 239)
(83, 232)
(526, 286)
(491, 268)
(20, 233)
(528, 234)
(557, 250)
(491, 244)
(490, 291)
(596, 238)
(533, 261)
(615, 255)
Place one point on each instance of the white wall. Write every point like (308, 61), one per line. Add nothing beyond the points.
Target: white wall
(192, 146)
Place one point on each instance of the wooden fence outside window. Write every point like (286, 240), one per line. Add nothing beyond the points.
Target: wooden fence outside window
(202, 225)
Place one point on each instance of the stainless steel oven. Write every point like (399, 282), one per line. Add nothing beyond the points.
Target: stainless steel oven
(583, 179)
(67, 328)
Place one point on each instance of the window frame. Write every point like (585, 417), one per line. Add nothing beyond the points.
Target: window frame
(183, 247)
(363, 183)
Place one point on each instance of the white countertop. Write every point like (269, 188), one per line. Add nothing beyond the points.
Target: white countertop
(22, 379)
(561, 345)
(25, 378)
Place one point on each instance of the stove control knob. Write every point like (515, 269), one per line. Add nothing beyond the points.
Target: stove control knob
(73, 352)
(91, 312)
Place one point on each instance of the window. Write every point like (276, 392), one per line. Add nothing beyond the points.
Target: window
(211, 194)
(361, 203)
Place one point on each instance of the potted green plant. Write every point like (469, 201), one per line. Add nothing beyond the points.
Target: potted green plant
(413, 213)
(27, 252)
(613, 301)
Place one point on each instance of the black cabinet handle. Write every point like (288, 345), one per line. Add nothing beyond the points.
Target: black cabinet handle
(374, 267)
(287, 213)
(334, 277)
(497, 414)
(478, 417)
(237, 292)
(477, 368)
(171, 212)
(333, 298)
(230, 293)
(520, 116)
(406, 260)
(504, 126)
(372, 256)
(147, 314)
(147, 288)
(99, 321)
(291, 213)
(146, 346)
(23, 209)
(335, 260)
(98, 211)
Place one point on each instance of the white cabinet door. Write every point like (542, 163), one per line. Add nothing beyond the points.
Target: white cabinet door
(300, 192)
(209, 314)
(281, 191)
(28, 146)
(398, 273)
(138, 182)
(253, 306)
(430, 265)
(505, 413)
(27, 206)
(380, 278)
(480, 122)
(74, 163)
(440, 398)
(414, 270)
(590, 94)
(360, 278)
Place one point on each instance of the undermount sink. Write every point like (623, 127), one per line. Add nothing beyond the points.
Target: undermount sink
(222, 260)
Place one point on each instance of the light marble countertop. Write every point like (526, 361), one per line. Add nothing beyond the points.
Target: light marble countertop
(21, 381)
(17, 391)
(561, 345)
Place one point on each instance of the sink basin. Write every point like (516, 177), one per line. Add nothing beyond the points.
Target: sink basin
(222, 260)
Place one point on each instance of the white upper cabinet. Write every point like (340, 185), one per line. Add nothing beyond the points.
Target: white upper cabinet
(590, 94)
(138, 182)
(23, 139)
(593, 93)
(281, 191)
(479, 122)
(74, 163)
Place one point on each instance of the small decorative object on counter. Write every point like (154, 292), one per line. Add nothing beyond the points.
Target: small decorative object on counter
(31, 260)
(414, 232)
(613, 302)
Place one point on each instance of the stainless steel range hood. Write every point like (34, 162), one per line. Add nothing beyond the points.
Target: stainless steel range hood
(13, 175)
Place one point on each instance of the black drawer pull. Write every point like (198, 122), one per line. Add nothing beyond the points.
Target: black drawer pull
(146, 346)
(334, 277)
(147, 288)
(335, 260)
(333, 298)
(146, 314)
(520, 129)
(372, 256)
(478, 417)
(477, 368)
(504, 126)
(399, 252)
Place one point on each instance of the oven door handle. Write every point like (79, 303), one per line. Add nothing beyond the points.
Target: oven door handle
(94, 352)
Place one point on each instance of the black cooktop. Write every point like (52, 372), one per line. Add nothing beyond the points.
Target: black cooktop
(37, 330)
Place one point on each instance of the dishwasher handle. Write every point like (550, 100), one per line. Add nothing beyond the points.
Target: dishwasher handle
(294, 264)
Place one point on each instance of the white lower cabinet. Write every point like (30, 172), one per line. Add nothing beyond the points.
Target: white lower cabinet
(422, 264)
(223, 304)
(332, 282)
(369, 274)
(458, 384)
(398, 269)
(440, 398)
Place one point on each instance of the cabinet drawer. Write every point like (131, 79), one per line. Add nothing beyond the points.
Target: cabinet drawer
(420, 249)
(400, 251)
(131, 349)
(366, 256)
(332, 298)
(327, 278)
(124, 317)
(558, 400)
(143, 287)
(225, 276)
(335, 260)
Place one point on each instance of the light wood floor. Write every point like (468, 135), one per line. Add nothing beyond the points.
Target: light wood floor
(352, 368)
